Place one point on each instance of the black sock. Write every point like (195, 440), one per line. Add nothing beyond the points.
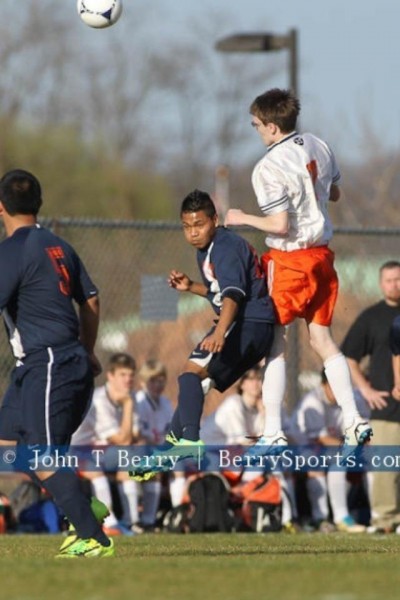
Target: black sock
(65, 489)
(176, 426)
(190, 405)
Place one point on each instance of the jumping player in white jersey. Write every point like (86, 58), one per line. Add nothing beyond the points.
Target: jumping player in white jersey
(293, 183)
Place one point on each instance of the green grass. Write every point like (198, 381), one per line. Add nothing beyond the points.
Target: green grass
(207, 567)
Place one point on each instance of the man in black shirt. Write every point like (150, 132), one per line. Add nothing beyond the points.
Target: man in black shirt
(369, 336)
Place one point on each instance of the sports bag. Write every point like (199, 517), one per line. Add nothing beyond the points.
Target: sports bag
(261, 509)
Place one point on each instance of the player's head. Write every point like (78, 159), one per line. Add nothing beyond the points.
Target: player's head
(121, 369)
(153, 375)
(389, 280)
(20, 193)
(251, 381)
(275, 113)
(199, 219)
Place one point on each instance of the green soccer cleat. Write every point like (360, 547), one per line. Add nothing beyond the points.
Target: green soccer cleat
(87, 549)
(161, 459)
(100, 511)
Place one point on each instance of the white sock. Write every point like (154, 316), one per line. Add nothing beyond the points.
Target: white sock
(102, 491)
(338, 375)
(289, 511)
(337, 490)
(128, 494)
(177, 487)
(290, 491)
(273, 393)
(318, 496)
(151, 500)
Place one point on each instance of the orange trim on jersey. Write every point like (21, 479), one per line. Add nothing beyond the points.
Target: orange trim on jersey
(302, 283)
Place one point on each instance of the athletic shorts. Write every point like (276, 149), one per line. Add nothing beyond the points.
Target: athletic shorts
(48, 397)
(302, 284)
(246, 344)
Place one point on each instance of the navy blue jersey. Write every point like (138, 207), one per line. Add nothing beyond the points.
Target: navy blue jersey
(230, 266)
(40, 277)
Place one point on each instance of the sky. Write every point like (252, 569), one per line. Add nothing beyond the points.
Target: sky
(349, 57)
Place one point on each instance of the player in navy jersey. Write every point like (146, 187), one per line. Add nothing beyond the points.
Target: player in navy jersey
(233, 282)
(52, 383)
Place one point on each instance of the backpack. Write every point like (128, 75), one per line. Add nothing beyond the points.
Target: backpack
(209, 502)
(41, 517)
(261, 509)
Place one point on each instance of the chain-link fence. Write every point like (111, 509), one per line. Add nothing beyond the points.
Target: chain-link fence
(130, 261)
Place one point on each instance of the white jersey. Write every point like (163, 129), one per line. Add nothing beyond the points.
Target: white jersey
(154, 417)
(296, 175)
(102, 421)
(315, 417)
(231, 423)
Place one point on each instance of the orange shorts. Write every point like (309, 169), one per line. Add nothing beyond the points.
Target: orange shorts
(302, 283)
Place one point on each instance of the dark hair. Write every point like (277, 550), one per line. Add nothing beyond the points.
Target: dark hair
(20, 193)
(390, 264)
(257, 370)
(121, 360)
(196, 201)
(280, 107)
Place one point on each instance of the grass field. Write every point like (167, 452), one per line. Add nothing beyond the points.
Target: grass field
(202, 567)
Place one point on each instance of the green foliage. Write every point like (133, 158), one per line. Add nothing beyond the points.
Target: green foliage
(81, 179)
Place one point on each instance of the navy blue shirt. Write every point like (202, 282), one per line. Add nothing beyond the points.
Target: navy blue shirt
(40, 276)
(395, 336)
(230, 267)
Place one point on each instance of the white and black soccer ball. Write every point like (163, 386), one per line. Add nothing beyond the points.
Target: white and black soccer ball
(99, 13)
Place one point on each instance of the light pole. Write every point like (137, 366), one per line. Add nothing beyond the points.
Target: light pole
(270, 42)
(265, 42)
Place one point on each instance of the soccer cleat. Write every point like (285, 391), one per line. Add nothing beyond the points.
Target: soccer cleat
(324, 526)
(358, 434)
(87, 549)
(100, 511)
(291, 527)
(266, 445)
(349, 525)
(161, 459)
(355, 437)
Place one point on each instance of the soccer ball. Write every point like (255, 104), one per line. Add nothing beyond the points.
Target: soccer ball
(99, 13)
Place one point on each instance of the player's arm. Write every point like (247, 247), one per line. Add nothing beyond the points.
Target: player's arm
(215, 342)
(89, 316)
(375, 398)
(334, 193)
(277, 223)
(125, 434)
(182, 283)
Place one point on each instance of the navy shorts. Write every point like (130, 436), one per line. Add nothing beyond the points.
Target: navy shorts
(48, 397)
(246, 344)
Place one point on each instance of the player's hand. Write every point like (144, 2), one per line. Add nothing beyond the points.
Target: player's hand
(234, 216)
(375, 398)
(124, 399)
(179, 281)
(396, 393)
(96, 365)
(213, 343)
